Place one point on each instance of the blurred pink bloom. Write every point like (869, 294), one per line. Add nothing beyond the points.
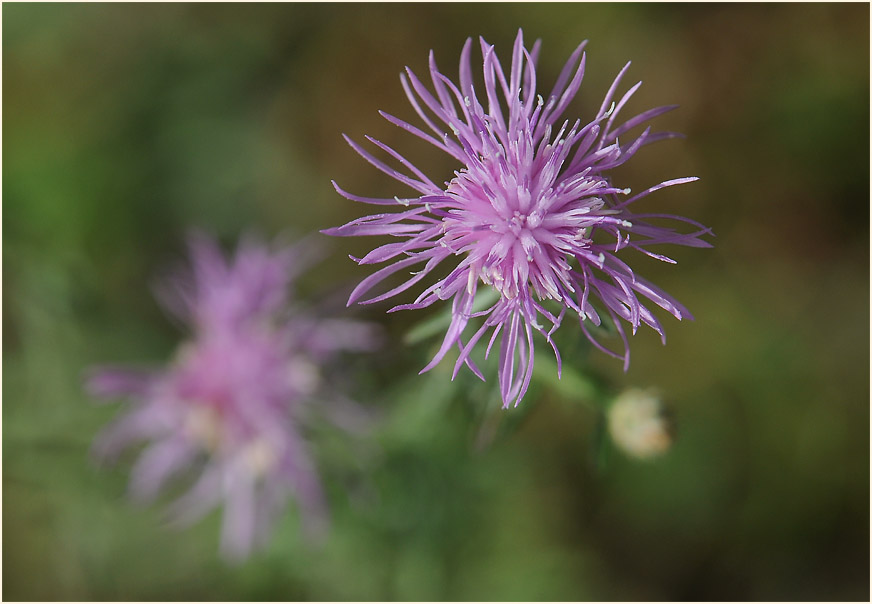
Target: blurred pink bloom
(230, 403)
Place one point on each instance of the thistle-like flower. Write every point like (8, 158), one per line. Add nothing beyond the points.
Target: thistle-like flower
(531, 212)
(231, 403)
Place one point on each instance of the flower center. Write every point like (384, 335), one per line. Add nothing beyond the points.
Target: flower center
(205, 426)
(519, 222)
(506, 231)
(513, 247)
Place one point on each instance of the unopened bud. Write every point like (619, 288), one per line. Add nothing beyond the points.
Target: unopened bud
(639, 424)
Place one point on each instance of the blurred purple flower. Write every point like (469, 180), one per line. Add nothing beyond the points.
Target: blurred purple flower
(230, 404)
(530, 213)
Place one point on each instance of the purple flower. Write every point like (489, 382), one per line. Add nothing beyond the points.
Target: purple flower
(530, 212)
(231, 403)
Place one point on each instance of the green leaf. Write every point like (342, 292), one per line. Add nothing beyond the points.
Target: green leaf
(571, 384)
(442, 320)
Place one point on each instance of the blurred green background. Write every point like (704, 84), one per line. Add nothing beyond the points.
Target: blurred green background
(127, 124)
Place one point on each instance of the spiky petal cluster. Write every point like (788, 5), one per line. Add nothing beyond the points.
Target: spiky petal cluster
(230, 404)
(531, 212)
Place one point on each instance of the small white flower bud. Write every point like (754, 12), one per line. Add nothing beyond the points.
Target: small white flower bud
(639, 425)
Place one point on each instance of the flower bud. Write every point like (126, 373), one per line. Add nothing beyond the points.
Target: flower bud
(639, 424)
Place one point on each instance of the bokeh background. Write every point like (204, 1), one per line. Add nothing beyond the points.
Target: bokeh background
(125, 125)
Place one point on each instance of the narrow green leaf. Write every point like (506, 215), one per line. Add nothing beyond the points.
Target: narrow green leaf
(572, 384)
(441, 321)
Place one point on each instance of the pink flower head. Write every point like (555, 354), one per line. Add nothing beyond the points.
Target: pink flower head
(230, 404)
(531, 212)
